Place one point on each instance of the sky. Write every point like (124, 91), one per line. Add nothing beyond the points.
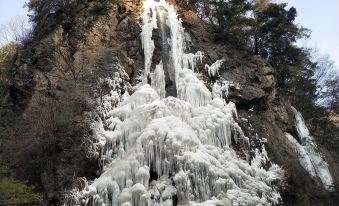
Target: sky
(11, 8)
(322, 17)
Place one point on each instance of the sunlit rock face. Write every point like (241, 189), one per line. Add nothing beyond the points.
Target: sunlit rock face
(170, 142)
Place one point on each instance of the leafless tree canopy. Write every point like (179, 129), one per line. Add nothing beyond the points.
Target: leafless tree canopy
(15, 30)
(325, 67)
(327, 78)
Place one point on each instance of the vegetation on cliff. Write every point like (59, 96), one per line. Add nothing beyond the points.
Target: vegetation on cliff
(15, 191)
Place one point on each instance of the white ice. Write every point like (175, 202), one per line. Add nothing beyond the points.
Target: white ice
(300, 125)
(213, 70)
(191, 89)
(189, 143)
(189, 61)
(158, 80)
(155, 150)
(304, 158)
(310, 157)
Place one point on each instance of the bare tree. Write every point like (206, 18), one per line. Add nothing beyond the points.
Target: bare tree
(326, 76)
(15, 30)
(324, 69)
(66, 63)
(330, 94)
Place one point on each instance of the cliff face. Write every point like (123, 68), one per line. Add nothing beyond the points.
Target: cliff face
(64, 67)
(51, 79)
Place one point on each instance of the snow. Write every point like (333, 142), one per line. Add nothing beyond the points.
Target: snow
(310, 157)
(185, 141)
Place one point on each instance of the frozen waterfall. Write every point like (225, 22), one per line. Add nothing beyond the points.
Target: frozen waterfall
(310, 158)
(159, 149)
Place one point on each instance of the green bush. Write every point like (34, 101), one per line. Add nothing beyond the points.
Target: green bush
(15, 191)
(7, 52)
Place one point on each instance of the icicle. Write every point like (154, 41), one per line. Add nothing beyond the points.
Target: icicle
(158, 80)
(149, 20)
(221, 88)
(125, 197)
(213, 70)
(138, 191)
(189, 61)
(182, 184)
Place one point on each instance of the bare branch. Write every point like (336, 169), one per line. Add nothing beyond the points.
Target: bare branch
(16, 30)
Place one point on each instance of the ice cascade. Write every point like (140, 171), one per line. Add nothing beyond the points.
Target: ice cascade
(163, 150)
(310, 158)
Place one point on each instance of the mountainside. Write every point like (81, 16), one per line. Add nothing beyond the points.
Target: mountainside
(136, 103)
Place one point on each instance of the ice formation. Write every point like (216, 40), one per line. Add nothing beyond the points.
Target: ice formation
(191, 89)
(158, 80)
(213, 70)
(310, 158)
(221, 87)
(190, 60)
(176, 150)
